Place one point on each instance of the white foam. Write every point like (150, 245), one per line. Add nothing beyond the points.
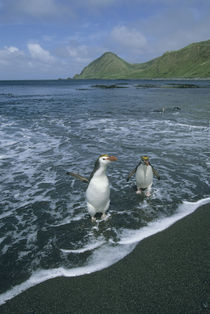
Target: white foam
(87, 248)
(134, 236)
(198, 127)
(101, 259)
(2, 239)
(105, 255)
(4, 215)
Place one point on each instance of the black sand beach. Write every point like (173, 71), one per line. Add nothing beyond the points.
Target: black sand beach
(168, 272)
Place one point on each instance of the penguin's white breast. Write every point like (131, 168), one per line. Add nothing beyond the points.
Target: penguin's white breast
(144, 176)
(98, 191)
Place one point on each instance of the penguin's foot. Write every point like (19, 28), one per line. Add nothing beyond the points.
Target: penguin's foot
(148, 193)
(138, 192)
(103, 216)
(93, 219)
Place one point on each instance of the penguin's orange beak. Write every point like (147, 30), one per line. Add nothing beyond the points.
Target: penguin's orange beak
(112, 158)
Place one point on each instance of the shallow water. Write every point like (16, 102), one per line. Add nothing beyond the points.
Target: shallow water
(50, 127)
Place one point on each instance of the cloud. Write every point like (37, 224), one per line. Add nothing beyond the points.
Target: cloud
(77, 51)
(129, 39)
(8, 55)
(38, 53)
(38, 63)
(77, 54)
(97, 3)
(17, 11)
(34, 63)
(37, 7)
(21, 11)
(12, 50)
(174, 29)
(66, 35)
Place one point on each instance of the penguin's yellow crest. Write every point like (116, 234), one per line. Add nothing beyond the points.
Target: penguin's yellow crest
(144, 157)
(105, 155)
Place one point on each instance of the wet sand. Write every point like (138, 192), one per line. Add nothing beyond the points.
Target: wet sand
(168, 272)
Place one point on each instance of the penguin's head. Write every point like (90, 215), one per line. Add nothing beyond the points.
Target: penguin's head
(106, 159)
(145, 160)
(102, 161)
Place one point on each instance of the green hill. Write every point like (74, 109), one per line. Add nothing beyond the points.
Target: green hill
(192, 61)
(108, 66)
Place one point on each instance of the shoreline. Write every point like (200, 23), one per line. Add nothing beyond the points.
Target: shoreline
(167, 272)
(113, 79)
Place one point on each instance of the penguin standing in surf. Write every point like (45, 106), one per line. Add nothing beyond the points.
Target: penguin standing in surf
(144, 176)
(98, 191)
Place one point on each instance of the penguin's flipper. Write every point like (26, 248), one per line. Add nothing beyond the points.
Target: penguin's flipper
(155, 172)
(131, 174)
(78, 176)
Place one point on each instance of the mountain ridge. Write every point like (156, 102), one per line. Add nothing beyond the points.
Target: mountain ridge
(192, 61)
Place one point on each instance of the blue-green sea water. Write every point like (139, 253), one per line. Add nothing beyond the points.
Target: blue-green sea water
(50, 127)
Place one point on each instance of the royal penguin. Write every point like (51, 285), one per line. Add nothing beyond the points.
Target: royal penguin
(144, 176)
(98, 190)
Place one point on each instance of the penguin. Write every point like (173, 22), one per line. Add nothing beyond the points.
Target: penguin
(144, 176)
(98, 190)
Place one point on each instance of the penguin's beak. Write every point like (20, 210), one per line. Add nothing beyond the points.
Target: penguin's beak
(112, 158)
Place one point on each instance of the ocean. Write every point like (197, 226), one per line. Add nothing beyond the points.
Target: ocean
(50, 127)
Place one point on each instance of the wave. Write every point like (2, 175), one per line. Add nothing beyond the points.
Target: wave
(185, 209)
(87, 248)
(186, 126)
(105, 255)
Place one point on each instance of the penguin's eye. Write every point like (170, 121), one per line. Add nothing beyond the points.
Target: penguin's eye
(104, 158)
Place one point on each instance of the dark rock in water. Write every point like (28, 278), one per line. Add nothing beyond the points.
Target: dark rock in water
(163, 109)
(168, 85)
(176, 108)
(147, 86)
(82, 89)
(108, 86)
(185, 85)
(160, 110)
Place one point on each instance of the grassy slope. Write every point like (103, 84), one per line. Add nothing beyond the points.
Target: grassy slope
(189, 62)
(108, 66)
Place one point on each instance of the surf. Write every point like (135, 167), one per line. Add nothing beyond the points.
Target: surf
(104, 254)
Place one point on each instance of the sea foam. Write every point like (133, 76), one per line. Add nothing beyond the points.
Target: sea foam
(106, 254)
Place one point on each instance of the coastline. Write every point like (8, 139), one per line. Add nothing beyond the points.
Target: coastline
(167, 272)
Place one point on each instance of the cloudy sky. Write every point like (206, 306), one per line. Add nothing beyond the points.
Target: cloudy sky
(50, 39)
